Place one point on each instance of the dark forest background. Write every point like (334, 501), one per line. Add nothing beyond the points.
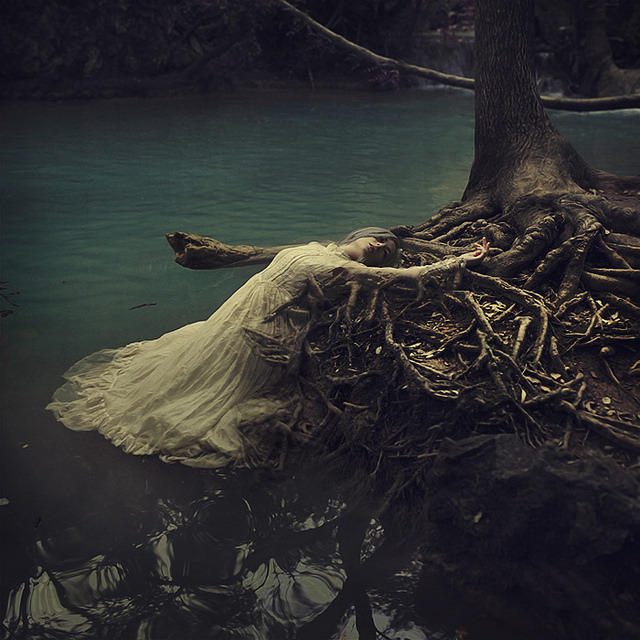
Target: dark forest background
(56, 49)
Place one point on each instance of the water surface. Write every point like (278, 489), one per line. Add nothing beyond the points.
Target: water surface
(114, 543)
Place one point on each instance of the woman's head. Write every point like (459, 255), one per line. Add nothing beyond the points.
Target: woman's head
(373, 246)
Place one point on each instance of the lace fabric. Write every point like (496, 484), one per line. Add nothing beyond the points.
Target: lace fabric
(204, 394)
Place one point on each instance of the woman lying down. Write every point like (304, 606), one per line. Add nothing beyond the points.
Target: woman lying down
(204, 395)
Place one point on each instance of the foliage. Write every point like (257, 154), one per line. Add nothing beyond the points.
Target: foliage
(97, 40)
(63, 49)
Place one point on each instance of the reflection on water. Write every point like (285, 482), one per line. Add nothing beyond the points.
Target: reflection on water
(99, 544)
(249, 560)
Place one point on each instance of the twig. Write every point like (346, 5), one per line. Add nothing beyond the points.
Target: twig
(410, 370)
(572, 302)
(481, 317)
(554, 355)
(612, 430)
(527, 299)
(522, 332)
(621, 303)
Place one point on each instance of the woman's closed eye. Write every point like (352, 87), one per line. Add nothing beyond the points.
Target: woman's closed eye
(383, 246)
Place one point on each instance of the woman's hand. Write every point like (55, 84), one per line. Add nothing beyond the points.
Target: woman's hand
(473, 257)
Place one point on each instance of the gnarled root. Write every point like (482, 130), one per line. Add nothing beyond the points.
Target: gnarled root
(565, 240)
(453, 216)
(489, 358)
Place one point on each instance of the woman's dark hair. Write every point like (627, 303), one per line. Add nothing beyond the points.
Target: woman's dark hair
(379, 233)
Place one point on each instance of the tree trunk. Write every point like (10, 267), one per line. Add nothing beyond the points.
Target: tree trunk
(578, 34)
(529, 179)
(517, 148)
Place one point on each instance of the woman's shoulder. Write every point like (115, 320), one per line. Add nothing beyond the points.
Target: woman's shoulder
(311, 256)
(330, 252)
(313, 249)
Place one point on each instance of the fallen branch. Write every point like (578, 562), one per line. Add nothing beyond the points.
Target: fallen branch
(200, 252)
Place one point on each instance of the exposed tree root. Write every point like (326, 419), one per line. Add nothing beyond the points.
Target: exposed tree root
(395, 371)
(548, 354)
(574, 239)
(489, 358)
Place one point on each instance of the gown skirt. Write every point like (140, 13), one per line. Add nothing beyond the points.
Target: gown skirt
(207, 394)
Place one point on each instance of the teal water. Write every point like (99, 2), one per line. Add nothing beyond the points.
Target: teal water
(88, 190)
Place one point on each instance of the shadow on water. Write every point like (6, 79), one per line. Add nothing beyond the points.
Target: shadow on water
(147, 550)
(206, 555)
(185, 553)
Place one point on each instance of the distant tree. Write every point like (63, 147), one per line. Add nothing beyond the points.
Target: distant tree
(594, 44)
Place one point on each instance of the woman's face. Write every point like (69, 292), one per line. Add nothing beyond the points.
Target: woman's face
(370, 250)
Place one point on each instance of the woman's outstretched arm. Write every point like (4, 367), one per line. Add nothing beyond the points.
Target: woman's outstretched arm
(448, 265)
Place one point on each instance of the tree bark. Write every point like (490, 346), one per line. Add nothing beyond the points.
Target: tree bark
(510, 121)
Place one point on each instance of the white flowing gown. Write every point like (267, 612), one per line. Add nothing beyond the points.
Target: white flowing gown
(205, 394)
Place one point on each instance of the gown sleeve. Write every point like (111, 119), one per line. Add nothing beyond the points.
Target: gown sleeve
(317, 260)
(440, 268)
